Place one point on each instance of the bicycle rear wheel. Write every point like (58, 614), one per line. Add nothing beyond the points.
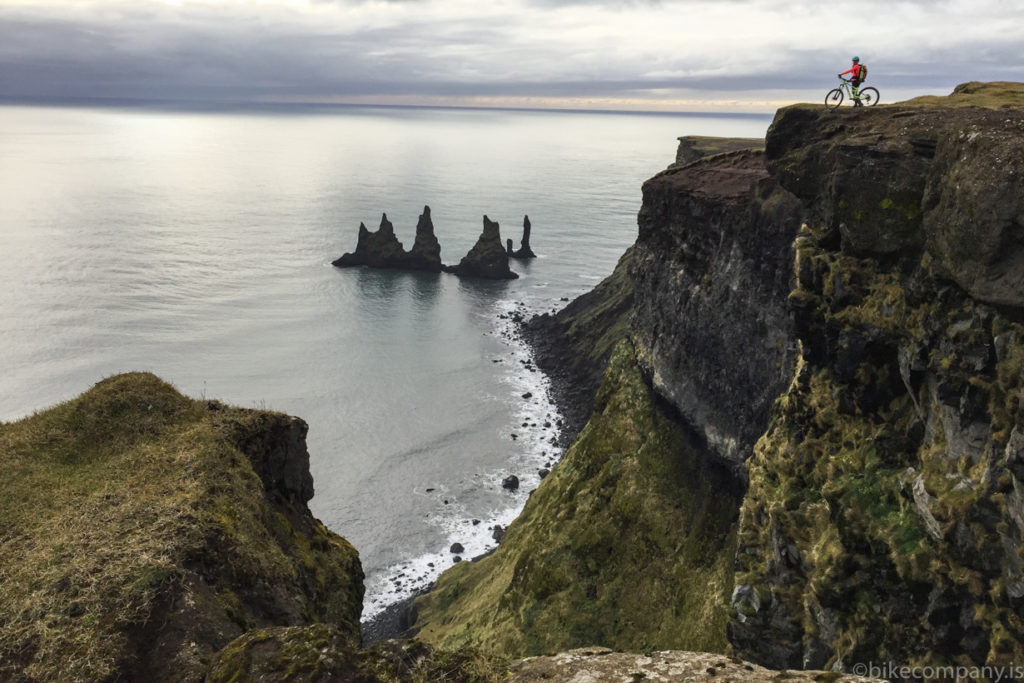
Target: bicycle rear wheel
(834, 98)
(869, 96)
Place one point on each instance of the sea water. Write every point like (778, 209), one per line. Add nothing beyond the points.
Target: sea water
(196, 244)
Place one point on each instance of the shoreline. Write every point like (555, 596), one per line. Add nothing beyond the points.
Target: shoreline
(396, 619)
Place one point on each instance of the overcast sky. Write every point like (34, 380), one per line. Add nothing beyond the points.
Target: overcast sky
(721, 55)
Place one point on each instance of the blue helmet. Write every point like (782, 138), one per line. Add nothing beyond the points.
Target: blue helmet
(856, 59)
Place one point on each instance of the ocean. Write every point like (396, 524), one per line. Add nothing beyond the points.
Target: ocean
(196, 243)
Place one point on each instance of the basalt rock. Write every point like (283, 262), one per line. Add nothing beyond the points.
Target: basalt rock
(380, 249)
(426, 251)
(524, 250)
(488, 259)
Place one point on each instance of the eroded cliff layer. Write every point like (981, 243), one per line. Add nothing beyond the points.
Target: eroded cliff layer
(711, 270)
(884, 516)
(142, 531)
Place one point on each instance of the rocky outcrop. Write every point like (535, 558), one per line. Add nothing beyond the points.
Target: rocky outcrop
(694, 147)
(426, 251)
(627, 543)
(380, 249)
(711, 271)
(487, 259)
(144, 530)
(883, 518)
(524, 250)
(602, 664)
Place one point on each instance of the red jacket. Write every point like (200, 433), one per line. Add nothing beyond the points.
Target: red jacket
(855, 70)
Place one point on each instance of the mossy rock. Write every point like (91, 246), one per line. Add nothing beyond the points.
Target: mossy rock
(321, 653)
(143, 530)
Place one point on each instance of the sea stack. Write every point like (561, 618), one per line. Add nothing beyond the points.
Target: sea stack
(379, 249)
(524, 246)
(426, 250)
(487, 259)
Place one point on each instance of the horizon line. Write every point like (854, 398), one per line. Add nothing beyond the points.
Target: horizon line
(196, 104)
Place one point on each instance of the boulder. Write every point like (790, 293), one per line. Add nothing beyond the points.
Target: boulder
(510, 482)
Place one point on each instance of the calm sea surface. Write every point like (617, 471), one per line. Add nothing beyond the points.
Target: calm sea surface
(197, 245)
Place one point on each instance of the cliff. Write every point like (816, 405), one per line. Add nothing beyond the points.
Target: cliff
(830, 331)
(883, 519)
(142, 531)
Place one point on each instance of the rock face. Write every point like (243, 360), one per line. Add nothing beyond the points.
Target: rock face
(487, 259)
(711, 270)
(524, 250)
(884, 520)
(143, 531)
(382, 249)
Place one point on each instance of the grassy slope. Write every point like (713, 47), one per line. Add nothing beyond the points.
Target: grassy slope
(622, 545)
(124, 502)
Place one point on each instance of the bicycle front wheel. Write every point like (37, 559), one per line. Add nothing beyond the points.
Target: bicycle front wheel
(834, 98)
(869, 96)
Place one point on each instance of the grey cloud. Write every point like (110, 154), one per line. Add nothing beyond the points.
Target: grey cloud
(210, 54)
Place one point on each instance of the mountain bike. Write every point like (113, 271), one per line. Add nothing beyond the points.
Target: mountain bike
(866, 97)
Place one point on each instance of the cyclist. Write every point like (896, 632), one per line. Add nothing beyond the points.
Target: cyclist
(855, 81)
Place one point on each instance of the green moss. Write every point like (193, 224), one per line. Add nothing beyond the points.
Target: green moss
(132, 508)
(624, 544)
(836, 479)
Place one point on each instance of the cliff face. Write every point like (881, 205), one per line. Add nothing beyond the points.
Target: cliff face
(841, 317)
(884, 517)
(142, 531)
(711, 271)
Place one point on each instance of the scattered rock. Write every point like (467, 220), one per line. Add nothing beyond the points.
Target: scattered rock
(457, 549)
(510, 482)
(544, 472)
(528, 395)
(499, 532)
